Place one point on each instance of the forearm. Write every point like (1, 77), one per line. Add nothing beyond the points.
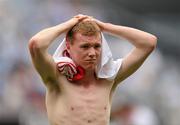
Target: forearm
(138, 38)
(44, 38)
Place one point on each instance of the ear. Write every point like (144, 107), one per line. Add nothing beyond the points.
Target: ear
(67, 43)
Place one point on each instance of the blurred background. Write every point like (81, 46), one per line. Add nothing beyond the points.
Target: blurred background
(148, 97)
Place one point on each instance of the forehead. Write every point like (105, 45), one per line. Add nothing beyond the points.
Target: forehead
(83, 38)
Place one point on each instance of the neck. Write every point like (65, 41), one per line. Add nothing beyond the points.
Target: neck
(89, 75)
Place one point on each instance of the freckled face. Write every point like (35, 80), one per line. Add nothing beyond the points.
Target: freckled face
(86, 50)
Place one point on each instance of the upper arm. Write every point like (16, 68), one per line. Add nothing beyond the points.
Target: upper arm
(132, 62)
(44, 64)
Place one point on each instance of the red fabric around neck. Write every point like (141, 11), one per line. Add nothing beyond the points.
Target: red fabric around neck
(79, 75)
(80, 70)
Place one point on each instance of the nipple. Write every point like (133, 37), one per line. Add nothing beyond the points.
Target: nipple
(72, 108)
(89, 121)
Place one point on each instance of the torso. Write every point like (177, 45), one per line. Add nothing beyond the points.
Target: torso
(80, 104)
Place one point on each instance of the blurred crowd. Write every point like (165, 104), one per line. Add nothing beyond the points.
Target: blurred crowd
(148, 97)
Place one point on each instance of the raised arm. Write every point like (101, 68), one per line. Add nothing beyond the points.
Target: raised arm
(39, 44)
(144, 43)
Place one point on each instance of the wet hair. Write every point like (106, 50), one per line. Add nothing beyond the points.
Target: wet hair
(86, 28)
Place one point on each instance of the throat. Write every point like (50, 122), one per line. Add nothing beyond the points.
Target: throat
(89, 77)
(90, 74)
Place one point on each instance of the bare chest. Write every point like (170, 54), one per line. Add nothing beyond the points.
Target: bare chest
(87, 93)
(82, 103)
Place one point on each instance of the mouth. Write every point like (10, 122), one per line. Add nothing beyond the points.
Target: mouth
(91, 60)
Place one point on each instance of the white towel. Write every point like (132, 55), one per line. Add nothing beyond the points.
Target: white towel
(107, 68)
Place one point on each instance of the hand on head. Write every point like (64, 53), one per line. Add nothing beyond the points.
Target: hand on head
(82, 17)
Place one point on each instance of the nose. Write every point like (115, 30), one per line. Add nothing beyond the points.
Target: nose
(92, 52)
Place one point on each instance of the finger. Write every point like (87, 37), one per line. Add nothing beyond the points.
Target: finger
(83, 18)
(89, 19)
(80, 16)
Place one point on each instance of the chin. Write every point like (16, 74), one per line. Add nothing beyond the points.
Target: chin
(90, 67)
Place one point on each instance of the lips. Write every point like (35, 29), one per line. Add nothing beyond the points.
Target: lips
(92, 60)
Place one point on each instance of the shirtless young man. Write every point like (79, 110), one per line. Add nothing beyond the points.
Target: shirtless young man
(87, 101)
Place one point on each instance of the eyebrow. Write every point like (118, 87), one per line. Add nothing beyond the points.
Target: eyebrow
(85, 44)
(97, 44)
(88, 44)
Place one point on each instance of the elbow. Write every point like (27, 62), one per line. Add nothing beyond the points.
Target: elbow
(152, 42)
(33, 45)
